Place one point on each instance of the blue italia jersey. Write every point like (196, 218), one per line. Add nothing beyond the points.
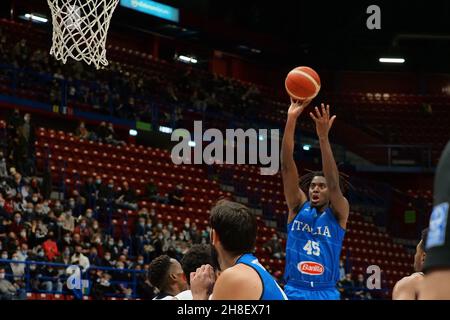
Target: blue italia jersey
(271, 289)
(313, 248)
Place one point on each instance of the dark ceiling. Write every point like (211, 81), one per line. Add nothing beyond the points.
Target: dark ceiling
(334, 33)
(328, 34)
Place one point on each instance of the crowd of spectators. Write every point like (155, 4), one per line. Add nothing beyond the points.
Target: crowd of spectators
(124, 91)
(82, 228)
(354, 289)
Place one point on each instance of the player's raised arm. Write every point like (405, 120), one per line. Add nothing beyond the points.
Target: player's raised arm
(292, 192)
(339, 203)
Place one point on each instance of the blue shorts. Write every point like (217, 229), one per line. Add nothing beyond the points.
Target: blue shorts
(294, 293)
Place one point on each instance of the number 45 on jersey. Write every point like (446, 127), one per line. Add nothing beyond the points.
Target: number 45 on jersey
(312, 247)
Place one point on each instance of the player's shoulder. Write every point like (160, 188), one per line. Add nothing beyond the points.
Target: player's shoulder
(239, 272)
(301, 208)
(409, 281)
(407, 287)
(240, 276)
(238, 282)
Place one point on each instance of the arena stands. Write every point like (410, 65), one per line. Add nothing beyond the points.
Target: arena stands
(152, 92)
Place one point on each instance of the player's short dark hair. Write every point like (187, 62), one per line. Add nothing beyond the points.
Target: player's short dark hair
(423, 239)
(235, 225)
(198, 255)
(159, 271)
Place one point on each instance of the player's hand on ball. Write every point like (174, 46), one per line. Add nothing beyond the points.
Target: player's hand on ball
(202, 282)
(322, 120)
(297, 106)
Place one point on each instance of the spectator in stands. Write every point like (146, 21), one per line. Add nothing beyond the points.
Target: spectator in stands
(47, 182)
(361, 291)
(108, 193)
(11, 243)
(18, 224)
(123, 278)
(153, 216)
(92, 223)
(346, 287)
(58, 209)
(40, 231)
(9, 291)
(102, 286)
(80, 259)
(140, 228)
(77, 203)
(18, 269)
(89, 217)
(94, 259)
(144, 289)
(13, 122)
(67, 220)
(50, 247)
(427, 109)
(152, 192)
(3, 169)
(76, 239)
(34, 274)
(82, 132)
(90, 192)
(65, 241)
(341, 270)
(29, 213)
(5, 265)
(65, 257)
(28, 129)
(20, 52)
(111, 247)
(176, 196)
(50, 279)
(22, 253)
(274, 247)
(196, 234)
(51, 222)
(157, 243)
(102, 132)
(35, 187)
(3, 229)
(83, 230)
(127, 197)
(206, 234)
(20, 151)
(106, 261)
(111, 136)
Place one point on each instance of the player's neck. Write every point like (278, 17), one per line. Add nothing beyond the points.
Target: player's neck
(173, 291)
(321, 209)
(228, 261)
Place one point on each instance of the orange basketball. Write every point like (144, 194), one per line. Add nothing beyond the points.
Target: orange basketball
(302, 83)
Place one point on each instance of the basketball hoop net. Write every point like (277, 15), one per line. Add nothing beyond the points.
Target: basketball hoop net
(80, 28)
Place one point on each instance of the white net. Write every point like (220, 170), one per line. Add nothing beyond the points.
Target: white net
(80, 28)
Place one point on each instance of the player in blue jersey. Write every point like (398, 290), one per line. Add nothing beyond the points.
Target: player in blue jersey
(436, 284)
(316, 224)
(233, 238)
